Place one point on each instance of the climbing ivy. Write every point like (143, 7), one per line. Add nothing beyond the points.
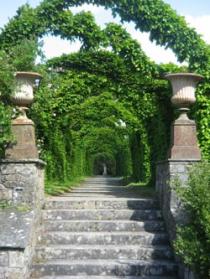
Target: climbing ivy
(124, 71)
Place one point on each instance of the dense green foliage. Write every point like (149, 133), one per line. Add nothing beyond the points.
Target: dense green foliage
(108, 102)
(124, 76)
(6, 87)
(193, 242)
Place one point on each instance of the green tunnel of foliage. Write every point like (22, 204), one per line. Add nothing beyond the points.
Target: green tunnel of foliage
(86, 96)
(107, 103)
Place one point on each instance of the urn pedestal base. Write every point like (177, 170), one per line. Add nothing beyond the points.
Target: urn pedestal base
(184, 140)
(24, 146)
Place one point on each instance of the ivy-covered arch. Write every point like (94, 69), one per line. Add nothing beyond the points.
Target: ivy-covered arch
(165, 27)
(80, 110)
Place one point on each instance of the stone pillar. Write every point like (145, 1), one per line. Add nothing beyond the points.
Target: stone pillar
(183, 152)
(21, 188)
(22, 171)
(172, 210)
(23, 182)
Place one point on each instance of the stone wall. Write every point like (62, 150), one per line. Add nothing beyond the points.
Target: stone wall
(22, 181)
(172, 209)
(22, 193)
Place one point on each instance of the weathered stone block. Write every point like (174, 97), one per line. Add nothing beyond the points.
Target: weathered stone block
(24, 179)
(16, 259)
(2, 273)
(4, 259)
(14, 273)
(15, 228)
(5, 193)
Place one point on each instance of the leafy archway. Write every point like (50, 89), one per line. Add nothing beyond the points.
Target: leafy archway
(125, 72)
(165, 26)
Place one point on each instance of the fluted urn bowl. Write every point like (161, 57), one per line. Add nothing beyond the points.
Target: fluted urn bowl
(23, 94)
(184, 86)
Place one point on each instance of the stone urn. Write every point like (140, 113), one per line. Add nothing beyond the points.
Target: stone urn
(24, 144)
(23, 95)
(184, 144)
(184, 86)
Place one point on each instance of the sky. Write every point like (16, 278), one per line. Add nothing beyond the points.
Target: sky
(196, 13)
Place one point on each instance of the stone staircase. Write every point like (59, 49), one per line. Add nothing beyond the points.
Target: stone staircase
(103, 231)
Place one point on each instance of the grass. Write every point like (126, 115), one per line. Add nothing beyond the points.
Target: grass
(55, 188)
(4, 204)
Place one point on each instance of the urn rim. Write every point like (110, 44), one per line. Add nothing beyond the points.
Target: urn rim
(192, 75)
(33, 75)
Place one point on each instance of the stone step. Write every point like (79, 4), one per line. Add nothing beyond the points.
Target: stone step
(101, 238)
(100, 192)
(105, 277)
(104, 194)
(101, 204)
(105, 267)
(102, 181)
(102, 214)
(84, 252)
(105, 226)
(99, 188)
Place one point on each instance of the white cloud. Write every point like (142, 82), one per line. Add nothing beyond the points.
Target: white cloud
(55, 46)
(201, 24)
(155, 52)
